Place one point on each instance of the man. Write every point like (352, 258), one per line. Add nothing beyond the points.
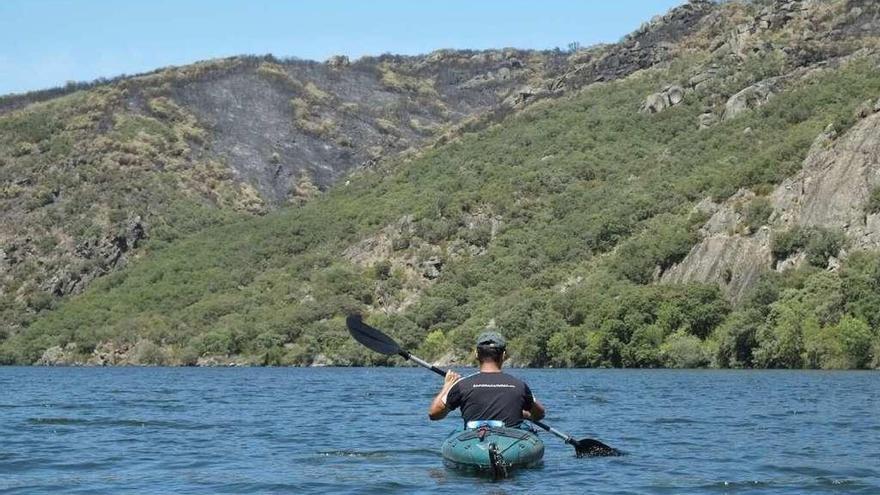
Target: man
(490, 394)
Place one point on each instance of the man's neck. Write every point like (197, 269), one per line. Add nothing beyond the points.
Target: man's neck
(490, 367)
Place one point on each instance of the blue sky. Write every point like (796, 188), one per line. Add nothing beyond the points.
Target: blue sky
(45, 43)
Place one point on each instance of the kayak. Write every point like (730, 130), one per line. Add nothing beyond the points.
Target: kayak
(494, 449)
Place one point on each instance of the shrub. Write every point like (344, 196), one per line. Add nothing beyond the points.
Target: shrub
(681, 350)
(215, 342)
(268, 341)
(855, 339)
(817, 243)
(823, 244)
(436, 344)
(480, 235)
(382, 269)
(781, 339)
(666, 241)
(147, 352)
(736, 339)
(578, 347)
(787, 243)
(758, 212)
(872, 207)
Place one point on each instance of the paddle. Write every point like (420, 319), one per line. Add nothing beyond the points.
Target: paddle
(377, 341)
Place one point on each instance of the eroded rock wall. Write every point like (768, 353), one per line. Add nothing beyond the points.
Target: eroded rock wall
(831, 191)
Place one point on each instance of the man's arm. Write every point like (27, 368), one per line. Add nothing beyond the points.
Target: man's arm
(537, 412)
(438, 409)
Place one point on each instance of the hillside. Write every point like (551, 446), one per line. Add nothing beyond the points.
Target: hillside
(670, 200)
(90, 176)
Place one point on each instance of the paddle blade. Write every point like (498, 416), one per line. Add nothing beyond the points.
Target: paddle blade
(370, 337)
(589, 447)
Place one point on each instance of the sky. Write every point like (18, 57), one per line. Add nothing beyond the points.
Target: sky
(46, 43)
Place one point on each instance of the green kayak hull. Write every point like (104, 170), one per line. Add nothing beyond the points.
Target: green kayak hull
(470, 449)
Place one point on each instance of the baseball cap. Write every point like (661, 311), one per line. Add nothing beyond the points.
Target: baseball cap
(491, 339)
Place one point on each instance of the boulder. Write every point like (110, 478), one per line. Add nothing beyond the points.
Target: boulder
(58, 356)
(701, 80)
(524, 95)
(706, 206)
(865, 109)
(792, 262)
(657, 102)
(707, 120)
(322, 361)
(751, 97)
(735, 262)
(338, 61)
(431, 268)
(675, 94)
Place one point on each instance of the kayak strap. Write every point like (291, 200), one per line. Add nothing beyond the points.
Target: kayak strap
(496, 461)
(480, 433)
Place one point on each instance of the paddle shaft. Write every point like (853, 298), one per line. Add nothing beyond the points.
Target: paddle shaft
(421, 362)
(546, 427)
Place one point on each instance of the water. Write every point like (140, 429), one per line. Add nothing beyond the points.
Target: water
(158, 430)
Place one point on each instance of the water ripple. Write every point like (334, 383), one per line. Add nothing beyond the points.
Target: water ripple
(155, 430)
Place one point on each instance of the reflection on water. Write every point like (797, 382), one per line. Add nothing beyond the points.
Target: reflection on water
(81, 430)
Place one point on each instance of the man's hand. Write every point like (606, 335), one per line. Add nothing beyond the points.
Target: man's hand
(537, 412)
(438, 409)
(450, 379)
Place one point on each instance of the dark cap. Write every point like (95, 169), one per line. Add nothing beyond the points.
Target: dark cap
(491, 339)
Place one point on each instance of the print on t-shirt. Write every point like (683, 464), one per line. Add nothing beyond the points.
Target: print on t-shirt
(487, 396)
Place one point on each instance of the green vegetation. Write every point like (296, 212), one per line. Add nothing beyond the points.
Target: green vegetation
(873, 205)
(69, 193)
(758, 212)
(807, 318)
(590, 200)
(817, 243)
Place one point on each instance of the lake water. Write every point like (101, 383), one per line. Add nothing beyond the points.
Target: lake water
(264, 430)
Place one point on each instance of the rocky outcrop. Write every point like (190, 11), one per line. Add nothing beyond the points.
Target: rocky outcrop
(751, 97)
(707, 120)
(653, 43)
(831, 191)
(667, 98)
(338, 62)
(525, 95)
(779, 14)
(761, 92)
(398, 248)
(833, 188)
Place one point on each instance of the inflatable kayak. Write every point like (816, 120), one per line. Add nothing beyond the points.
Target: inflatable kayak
(494, 449)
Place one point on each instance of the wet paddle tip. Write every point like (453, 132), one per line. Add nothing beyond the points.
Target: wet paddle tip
(589, 447)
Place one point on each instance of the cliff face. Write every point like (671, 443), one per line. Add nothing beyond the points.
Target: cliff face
(831, 191)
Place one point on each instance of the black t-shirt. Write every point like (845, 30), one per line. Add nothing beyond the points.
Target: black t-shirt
(488, 396)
